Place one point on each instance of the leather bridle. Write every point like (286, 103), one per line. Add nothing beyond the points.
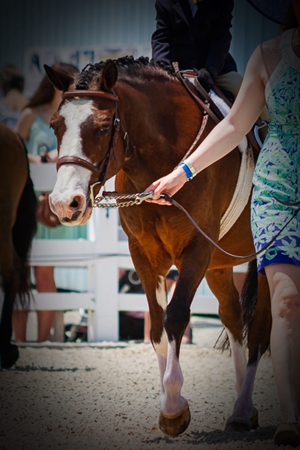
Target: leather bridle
(99, 171)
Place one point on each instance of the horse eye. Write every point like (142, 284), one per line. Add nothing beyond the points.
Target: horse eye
(104, 129)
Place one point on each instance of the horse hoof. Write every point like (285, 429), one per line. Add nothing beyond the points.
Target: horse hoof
(9, 356)
(240, 425)
(237, 425)
(175, 424)
(254, 419)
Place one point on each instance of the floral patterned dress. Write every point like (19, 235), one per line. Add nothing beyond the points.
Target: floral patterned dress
(277, 173)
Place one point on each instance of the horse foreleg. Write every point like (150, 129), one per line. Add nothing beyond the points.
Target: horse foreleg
(168, 323)
(174, 416)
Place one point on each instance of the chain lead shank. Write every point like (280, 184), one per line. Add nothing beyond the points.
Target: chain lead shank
(132, 199)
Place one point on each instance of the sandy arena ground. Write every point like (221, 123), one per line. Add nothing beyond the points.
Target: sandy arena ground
(106, 396)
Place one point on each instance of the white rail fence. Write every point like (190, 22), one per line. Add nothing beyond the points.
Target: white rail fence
(103, 253)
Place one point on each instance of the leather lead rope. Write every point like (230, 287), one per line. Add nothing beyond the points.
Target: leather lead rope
(252, 255)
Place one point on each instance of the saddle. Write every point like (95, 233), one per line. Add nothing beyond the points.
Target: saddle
(208, 104)
(249, 147)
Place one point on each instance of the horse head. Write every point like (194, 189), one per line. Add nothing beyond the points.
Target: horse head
(87, 127)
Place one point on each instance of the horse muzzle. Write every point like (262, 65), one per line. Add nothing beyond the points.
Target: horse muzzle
(75, 210)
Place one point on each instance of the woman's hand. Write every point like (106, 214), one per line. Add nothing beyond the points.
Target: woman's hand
(169, 184)
(52, 156)
(36, 159)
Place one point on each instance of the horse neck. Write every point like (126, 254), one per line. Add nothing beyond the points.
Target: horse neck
(162, 121)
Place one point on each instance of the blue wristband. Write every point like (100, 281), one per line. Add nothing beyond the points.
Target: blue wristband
(189, 169)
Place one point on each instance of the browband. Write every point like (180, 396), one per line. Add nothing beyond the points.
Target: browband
(82, 93)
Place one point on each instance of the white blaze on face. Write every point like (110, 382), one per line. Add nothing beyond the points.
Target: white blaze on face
(70, 178)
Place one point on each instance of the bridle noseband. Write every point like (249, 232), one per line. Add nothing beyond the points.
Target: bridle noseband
(99, 172)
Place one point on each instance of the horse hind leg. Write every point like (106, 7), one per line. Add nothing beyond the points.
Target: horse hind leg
(221, 283)
(257, 316)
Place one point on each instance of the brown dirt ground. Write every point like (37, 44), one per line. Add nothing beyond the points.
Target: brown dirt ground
(106, 396)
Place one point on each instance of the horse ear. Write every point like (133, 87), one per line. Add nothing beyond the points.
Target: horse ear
(109, 75)
(59, 79)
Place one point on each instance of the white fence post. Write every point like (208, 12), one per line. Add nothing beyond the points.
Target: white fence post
(104, 320)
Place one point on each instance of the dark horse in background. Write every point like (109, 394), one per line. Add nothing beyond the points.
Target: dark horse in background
(17, 227)
(135, 120)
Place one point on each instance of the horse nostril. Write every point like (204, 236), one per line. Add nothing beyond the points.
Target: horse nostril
(74, 204)
(75, 215)
(77, 202)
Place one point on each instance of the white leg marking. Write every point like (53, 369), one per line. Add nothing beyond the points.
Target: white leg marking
(244, 401)
(239, 361)
(162, 348)
(243, 407)
(161, 294)
(169, 367)
(162, 354)
(171, 399)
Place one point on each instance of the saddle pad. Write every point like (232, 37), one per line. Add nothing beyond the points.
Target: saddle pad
(241, 194)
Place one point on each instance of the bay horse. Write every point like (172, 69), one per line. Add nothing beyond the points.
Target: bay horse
(17, 227)
(135, 120)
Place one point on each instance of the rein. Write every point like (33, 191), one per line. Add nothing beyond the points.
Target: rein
(252, 255)
(138, 198)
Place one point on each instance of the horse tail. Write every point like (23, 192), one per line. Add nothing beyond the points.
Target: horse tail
(23, 231)
(249, 295)
(248, 302)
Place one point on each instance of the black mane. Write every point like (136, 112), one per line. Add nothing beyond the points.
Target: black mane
(127, 67)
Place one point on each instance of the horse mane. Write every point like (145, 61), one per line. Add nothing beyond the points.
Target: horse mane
(128, 68)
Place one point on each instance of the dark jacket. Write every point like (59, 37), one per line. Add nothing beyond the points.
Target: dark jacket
(195, 42)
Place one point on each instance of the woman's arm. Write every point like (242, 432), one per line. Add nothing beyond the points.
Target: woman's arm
(226, 135)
